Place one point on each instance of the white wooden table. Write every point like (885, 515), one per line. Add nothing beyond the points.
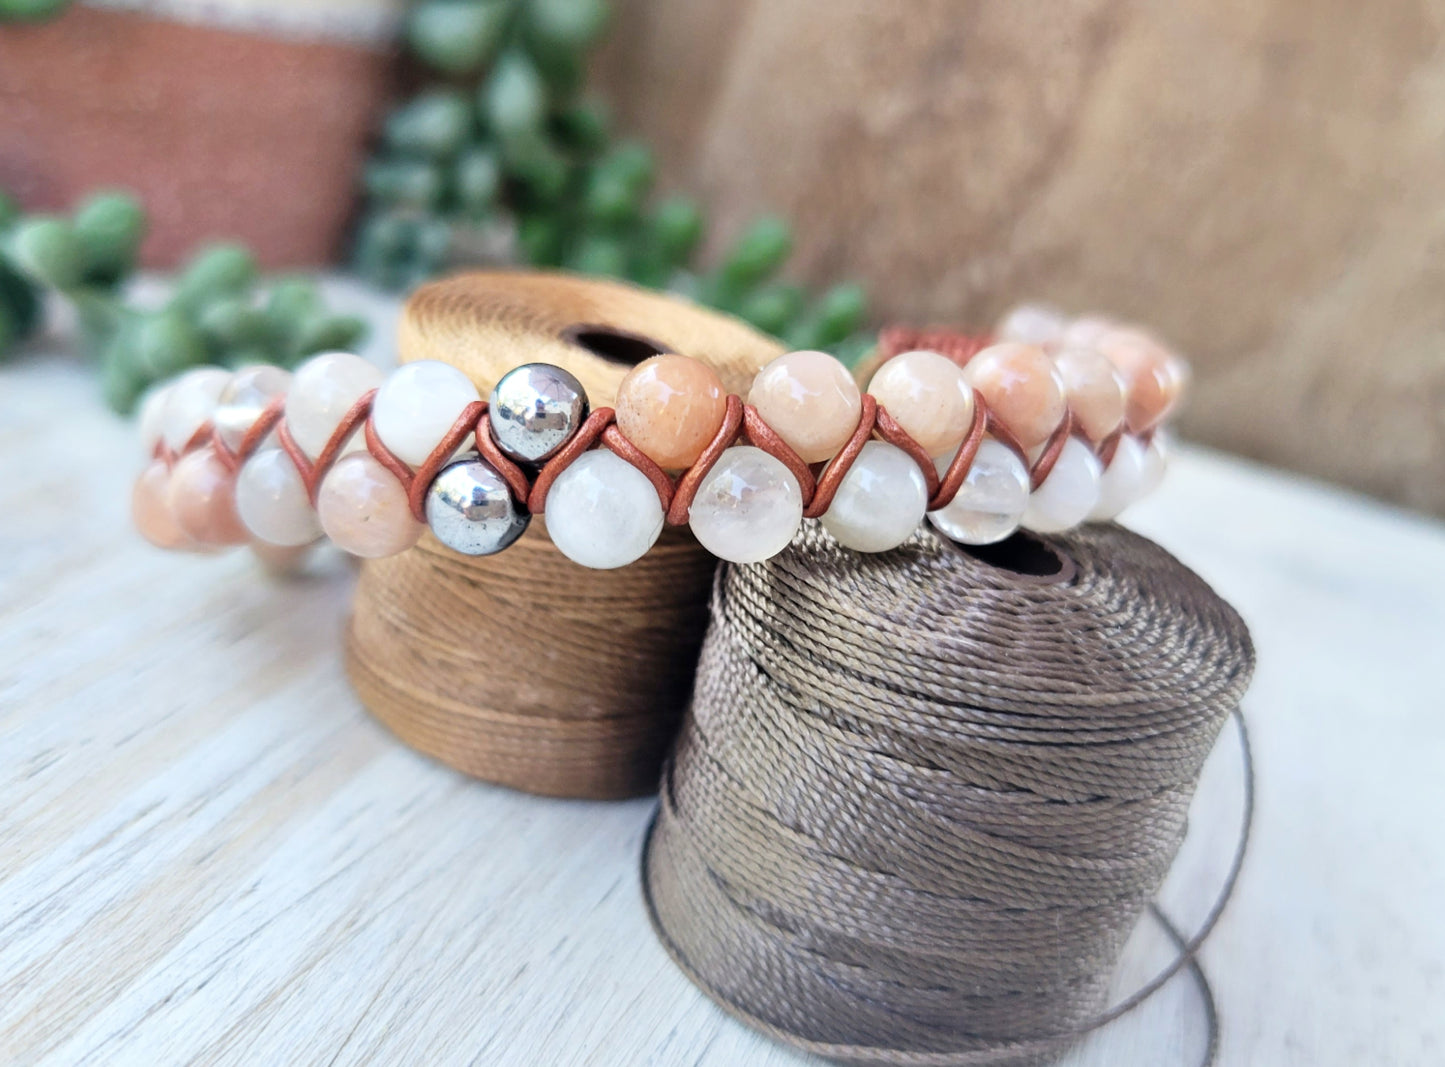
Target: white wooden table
(209, 853)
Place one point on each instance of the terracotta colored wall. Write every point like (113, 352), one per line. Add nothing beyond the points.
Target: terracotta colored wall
(1263, 180)
(223, 133)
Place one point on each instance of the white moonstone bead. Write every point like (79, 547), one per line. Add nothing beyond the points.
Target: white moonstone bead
(1156, 458)
(245, 397)
(190, 402)
(151, 420)
(880, 501)
(416, 406)
(1122, 482)
(991, 500)
(272, 502)
(748, 507)
(1068, 494)
(322, 391)
(1033, 324)
(602, 512)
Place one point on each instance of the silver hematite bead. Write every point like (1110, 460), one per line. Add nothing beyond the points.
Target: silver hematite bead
(535, 409)
(471, 511)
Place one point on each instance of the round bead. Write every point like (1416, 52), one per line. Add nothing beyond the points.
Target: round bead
(929, 396)
(1153, 377)
(364, 510)
(1033, 324)
(748, 507)
(991, 500)
(190, 402)
(1156, 459)
(671, 407)
(1023, 389)
(1094, 390)
(1085, 331)
(150, 508)
(322, 390)
(602, 512)
(202, 498)
(151, 420)
(535, 409)
(272, 501)
(1068, 494)
(470, 509)
(880, 501)
(810, 400)
(1122, 482)
(416, 406)
(244, 398)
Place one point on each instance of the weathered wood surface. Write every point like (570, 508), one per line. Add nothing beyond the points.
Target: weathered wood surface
(210, 854)
(1261, 181)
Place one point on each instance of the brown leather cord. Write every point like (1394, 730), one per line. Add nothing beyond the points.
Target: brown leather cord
(740, 420)
(920, 800)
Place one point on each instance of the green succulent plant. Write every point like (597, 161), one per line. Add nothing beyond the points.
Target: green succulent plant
(504, 158)
(218, 312)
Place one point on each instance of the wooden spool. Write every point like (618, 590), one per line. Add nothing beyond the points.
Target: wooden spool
(524, 668)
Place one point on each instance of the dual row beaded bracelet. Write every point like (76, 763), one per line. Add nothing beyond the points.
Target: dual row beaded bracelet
(1054, 424)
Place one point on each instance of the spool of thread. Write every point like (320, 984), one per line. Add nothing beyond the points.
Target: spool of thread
(524, 668)
(921, 798)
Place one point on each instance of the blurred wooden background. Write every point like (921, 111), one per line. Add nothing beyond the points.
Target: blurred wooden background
(1262, 180)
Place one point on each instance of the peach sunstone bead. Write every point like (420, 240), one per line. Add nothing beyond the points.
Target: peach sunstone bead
(1153, 376)
(811, 400)
(1023, 389)
(671, 407)
(1094, 390)
(927, 394)
(364, 510)
(150, 509)
(202, 497)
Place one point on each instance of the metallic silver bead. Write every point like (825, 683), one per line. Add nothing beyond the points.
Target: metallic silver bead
(471, 511)
(535, 409)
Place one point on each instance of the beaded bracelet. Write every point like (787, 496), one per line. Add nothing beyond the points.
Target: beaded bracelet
(1054, 424)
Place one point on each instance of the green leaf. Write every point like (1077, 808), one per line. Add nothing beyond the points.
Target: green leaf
(412, 183)
(601, 255)
(840, 312)
(327, 333)
(31, 10)
(585, 127)
(163, 343)
(677, 227)
(514, 99)
(565, 25)
(235, 322)
(760, 251)
(434, 124)
(772, 308)
(457, 36)
(292, 303)
(542, 171)
(217, 270)
(46, 250)
(478, 180)
(9, 210)
(110, 226)
(541, 238)
(21, 302)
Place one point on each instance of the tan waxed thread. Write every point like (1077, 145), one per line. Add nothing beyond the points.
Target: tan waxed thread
(524, 668)
(921, 801)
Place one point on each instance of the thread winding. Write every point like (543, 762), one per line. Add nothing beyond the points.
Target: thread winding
(920, 801)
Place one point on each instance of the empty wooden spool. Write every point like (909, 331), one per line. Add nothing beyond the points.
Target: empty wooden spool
(524, 668)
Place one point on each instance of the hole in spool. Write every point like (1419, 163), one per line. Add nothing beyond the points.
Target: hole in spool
(1024, 555)
(614, 345)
